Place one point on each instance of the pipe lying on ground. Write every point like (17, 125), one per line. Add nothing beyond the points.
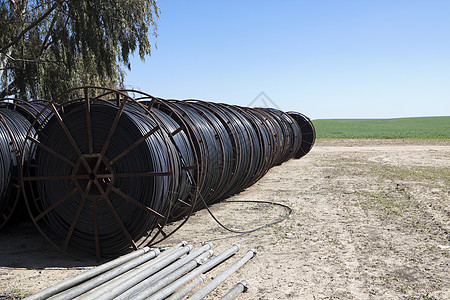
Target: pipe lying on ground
(166, 275)
(157, 283)
(102, 278)
(143, 275)
(224, 275)
(149, 276)
(111, 289)
(123, 277)
(168, 290)
(235, 291)
(73, 281)
(185, 291)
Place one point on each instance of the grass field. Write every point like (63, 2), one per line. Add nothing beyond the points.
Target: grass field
(402, 128)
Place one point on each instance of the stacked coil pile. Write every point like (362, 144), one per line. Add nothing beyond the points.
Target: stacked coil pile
(15, 121)
(109, 169)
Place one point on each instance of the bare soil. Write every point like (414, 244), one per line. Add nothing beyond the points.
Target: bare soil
(370, 220)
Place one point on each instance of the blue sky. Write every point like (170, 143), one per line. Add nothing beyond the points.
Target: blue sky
(326, 59)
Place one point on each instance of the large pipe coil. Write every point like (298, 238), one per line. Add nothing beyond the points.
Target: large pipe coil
(109, 169)
(14, 124)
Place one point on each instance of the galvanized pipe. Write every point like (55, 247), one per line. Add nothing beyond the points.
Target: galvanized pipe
(144, 291)
(184, 292)
(235, 291)
(119, 279)
(141, 282)
(96, 281)
(168, 290)
(70, 282)
(117, 286)
(224, 275)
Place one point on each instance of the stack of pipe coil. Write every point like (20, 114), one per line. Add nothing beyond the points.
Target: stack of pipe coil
(109, 169)
(15, 122)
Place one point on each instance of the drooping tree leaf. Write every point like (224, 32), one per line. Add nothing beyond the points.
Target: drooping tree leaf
(48, 46)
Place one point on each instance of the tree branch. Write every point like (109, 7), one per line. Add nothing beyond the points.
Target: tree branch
(31, 26)
(7, 91)
(44, 43)
(37, 60)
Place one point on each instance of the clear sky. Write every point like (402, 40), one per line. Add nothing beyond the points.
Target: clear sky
(324, 58)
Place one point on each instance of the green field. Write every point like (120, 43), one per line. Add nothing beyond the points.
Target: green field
(402, 128)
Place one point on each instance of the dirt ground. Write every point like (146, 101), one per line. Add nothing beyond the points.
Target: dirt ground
(370, 220)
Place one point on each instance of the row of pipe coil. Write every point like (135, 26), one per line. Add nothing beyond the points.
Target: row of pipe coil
(104, 171)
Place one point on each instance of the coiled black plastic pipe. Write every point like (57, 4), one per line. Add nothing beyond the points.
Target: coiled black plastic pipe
(308, 133)
(109, 172)
(13, 130)
(124, 179)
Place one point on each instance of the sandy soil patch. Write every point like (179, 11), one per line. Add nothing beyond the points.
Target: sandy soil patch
(370, 220)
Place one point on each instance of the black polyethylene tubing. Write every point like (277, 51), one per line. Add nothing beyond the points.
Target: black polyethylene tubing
(183, 150)
(241, 148)
(209, 147)
(17, 125)
(308, 133)
(264, 144)
(150, 156)
(186, 144)
(225, 137)
(292, 133)
(252, 148)
(198, 148)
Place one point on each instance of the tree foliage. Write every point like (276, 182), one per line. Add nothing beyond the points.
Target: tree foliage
(48, 46)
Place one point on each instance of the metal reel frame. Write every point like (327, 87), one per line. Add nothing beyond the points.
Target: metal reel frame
(308, 133)
(87, 168)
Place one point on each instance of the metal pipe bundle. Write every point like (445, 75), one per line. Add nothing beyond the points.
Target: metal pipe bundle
(149, 274)
(223, 276)
(89, 275)
(109, 170)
